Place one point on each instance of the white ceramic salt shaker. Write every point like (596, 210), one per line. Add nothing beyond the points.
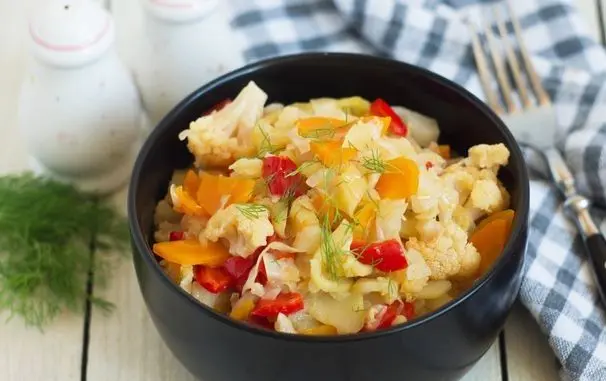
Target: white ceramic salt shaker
(186, 43)
(79, 108)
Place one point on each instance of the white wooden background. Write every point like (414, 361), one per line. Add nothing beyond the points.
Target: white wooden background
(125, 346)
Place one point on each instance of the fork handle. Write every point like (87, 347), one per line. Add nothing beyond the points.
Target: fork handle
(595, 244)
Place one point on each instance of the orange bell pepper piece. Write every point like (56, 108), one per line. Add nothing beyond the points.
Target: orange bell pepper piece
(216, 191)
(307, 127)
(331, 154)
(191, 183)
(400, 180)
(187, 204)
(490, 237)
(190, 252)
(322, 207)
(321, 330)
(444, 151)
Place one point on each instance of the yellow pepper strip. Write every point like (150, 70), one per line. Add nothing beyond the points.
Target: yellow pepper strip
(190, 252)
(243, 307)
(400, 180)
(216, 191)
(364, 218)
(191, 183)
(321, 330)
(331, 154)
(307, 126)
(186, 204)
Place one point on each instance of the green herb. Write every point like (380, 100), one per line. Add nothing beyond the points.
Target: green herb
(266, 147)
(48, 231)
(320, 133)
(252, 211)
(374, 163)
(330, 251)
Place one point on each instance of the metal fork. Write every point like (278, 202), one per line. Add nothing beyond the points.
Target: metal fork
(532, 121)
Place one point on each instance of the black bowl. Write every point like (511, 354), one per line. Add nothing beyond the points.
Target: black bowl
(440, 346)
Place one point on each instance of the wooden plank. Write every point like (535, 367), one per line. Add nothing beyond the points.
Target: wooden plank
(28, 354)
(488, 368)
(529, 356)
(125, 345)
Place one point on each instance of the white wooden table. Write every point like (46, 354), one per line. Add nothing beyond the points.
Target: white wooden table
(125, 346)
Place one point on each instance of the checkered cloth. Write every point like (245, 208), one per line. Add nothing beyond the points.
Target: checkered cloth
(558, 289)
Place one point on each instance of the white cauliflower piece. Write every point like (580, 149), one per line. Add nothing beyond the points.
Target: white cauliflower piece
(421, 128)
(488, 156)
(327, 107)
(425, 202)
(441, 258)
(470, 261)
(390, 214)
(218, 139)
(486, 196)
(364, 135)
(284, 325)
(245, 234)
(247, 168)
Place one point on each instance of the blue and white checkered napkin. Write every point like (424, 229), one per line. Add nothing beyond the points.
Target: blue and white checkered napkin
(558, 288)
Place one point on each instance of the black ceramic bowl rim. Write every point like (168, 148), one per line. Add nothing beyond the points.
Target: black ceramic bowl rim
(521, 216)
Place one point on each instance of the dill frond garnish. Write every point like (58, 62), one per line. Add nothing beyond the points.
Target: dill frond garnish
(302, 167)
(266, 147)
(374, 163)
(252, 211)
(48, 231)
(330, 251)
(320, 133)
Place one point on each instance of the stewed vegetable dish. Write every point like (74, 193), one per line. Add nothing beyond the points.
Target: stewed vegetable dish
(332, 216)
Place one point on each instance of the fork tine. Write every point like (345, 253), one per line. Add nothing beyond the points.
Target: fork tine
(483, 71)
(539, 91)
(514, 65)
(497, 60)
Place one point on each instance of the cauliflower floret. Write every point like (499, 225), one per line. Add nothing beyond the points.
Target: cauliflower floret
(486, 196)
(244, 232)
(441, 258)
(470, 261)
(247, 168)
(218, 139)
(425, 202)
(488, 156)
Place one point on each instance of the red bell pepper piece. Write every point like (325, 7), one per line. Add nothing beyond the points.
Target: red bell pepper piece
(384, 256)
(214, 279)
(239, 267)
(408, 310)
(381, 108)
(218, 106)
(277, 172)
(176, 236)
(393, 310)
(286, 303)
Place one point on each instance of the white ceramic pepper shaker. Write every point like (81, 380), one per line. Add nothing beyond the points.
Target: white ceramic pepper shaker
(186, 43)
(79, 109)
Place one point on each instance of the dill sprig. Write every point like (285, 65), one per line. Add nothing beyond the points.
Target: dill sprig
(265, 147)
(252, 211)
(48, 231)
(330, 251)
(374, 163)
(320, 133)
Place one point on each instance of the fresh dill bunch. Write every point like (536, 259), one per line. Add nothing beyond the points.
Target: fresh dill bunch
(48, 232)
(252, 211)
(330, 252)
